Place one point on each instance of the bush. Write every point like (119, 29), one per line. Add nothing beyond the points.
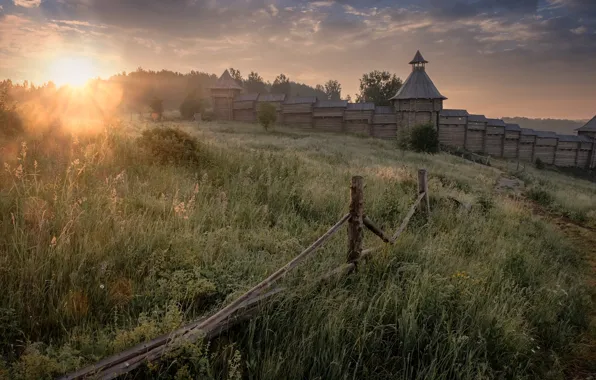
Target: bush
(540, 196)
(191, 105)
(208, 115)
(424, 138)
(169, 146)
(267, 115)
(539, 164)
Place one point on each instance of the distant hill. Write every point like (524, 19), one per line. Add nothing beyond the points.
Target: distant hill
(561, 126)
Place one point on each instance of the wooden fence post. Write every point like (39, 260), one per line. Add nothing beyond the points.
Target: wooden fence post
(355, 223)
(423, 188)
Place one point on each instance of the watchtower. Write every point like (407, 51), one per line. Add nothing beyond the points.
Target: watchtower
(418, 101)
(222, 96)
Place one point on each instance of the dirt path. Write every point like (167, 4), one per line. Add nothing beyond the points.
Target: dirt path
(582, 362)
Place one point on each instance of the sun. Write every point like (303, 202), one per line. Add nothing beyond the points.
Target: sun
(73, 71)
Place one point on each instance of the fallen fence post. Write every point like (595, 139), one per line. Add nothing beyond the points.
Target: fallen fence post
(423, 188)
(355, 231)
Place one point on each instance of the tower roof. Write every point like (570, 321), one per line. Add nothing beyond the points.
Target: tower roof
(226, 82)
(418, 59)
(418, 86)
(589, 127)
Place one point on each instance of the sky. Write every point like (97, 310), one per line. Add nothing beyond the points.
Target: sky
(533, 58)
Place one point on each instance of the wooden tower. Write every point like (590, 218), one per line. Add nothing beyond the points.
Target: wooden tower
(418, 101)
(222, 96)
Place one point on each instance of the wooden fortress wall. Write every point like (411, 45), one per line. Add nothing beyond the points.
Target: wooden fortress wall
(456, 128)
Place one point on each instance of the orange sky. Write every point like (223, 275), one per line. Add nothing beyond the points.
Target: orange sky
(534, 58)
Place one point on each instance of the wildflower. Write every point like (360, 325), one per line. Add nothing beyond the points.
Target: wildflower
(18, 172)
(53, 242)
(102, 286)
(23, 151)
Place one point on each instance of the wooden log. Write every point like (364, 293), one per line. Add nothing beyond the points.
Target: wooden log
(376, 230)
(106, 368)
(208, 333)
(123, 363)
(355, 222)
(423, 188)
(226, 311)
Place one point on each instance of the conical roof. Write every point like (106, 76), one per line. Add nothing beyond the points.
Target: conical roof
(418, 86)
(418, 58)
(590, 126)
(226, 82)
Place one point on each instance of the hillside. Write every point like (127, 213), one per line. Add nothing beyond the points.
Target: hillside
(560, 126)
(108, 240)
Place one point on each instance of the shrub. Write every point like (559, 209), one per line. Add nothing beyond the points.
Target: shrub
(191, 105)
(539, 164)
(486, 203)
(169, 146)
(208, 115)
(424, 138)
(540, 196)
(267, 115)
(403, 141)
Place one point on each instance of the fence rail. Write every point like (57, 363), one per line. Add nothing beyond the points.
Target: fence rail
(247, 304)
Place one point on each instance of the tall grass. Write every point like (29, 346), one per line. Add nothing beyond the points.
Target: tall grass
(571, 197)
(104, 244)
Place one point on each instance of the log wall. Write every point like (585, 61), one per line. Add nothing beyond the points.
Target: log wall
(511, 145)
(494, 140)
(566, 154)
(454, 131)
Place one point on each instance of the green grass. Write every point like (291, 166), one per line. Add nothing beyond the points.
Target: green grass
(560, 193)
(102, 247)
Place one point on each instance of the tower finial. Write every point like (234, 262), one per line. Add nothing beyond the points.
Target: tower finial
(418, 62)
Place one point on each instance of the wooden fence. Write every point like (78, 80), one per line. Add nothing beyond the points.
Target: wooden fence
(246, 305)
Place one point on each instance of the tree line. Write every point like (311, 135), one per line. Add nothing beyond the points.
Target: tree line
(144, 90)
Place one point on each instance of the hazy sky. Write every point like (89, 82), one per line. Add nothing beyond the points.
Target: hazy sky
(534, 58)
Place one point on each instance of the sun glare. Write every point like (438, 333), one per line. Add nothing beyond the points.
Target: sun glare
(73, 71)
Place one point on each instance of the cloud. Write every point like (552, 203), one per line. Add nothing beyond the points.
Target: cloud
(27, 3)
(579, 30)
(467, 41)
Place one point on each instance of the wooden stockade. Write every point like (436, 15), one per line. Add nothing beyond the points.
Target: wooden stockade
(247, 304)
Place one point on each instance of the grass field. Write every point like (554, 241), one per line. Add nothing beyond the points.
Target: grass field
(104, 244)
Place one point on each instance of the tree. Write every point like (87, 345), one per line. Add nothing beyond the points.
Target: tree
(281, 85)
(255, 83)
(156, 105)
(378, 87)
(236, 75)
(333, 90)
(267, 115)
(349, 98)
(191, 105)
(10, 122)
